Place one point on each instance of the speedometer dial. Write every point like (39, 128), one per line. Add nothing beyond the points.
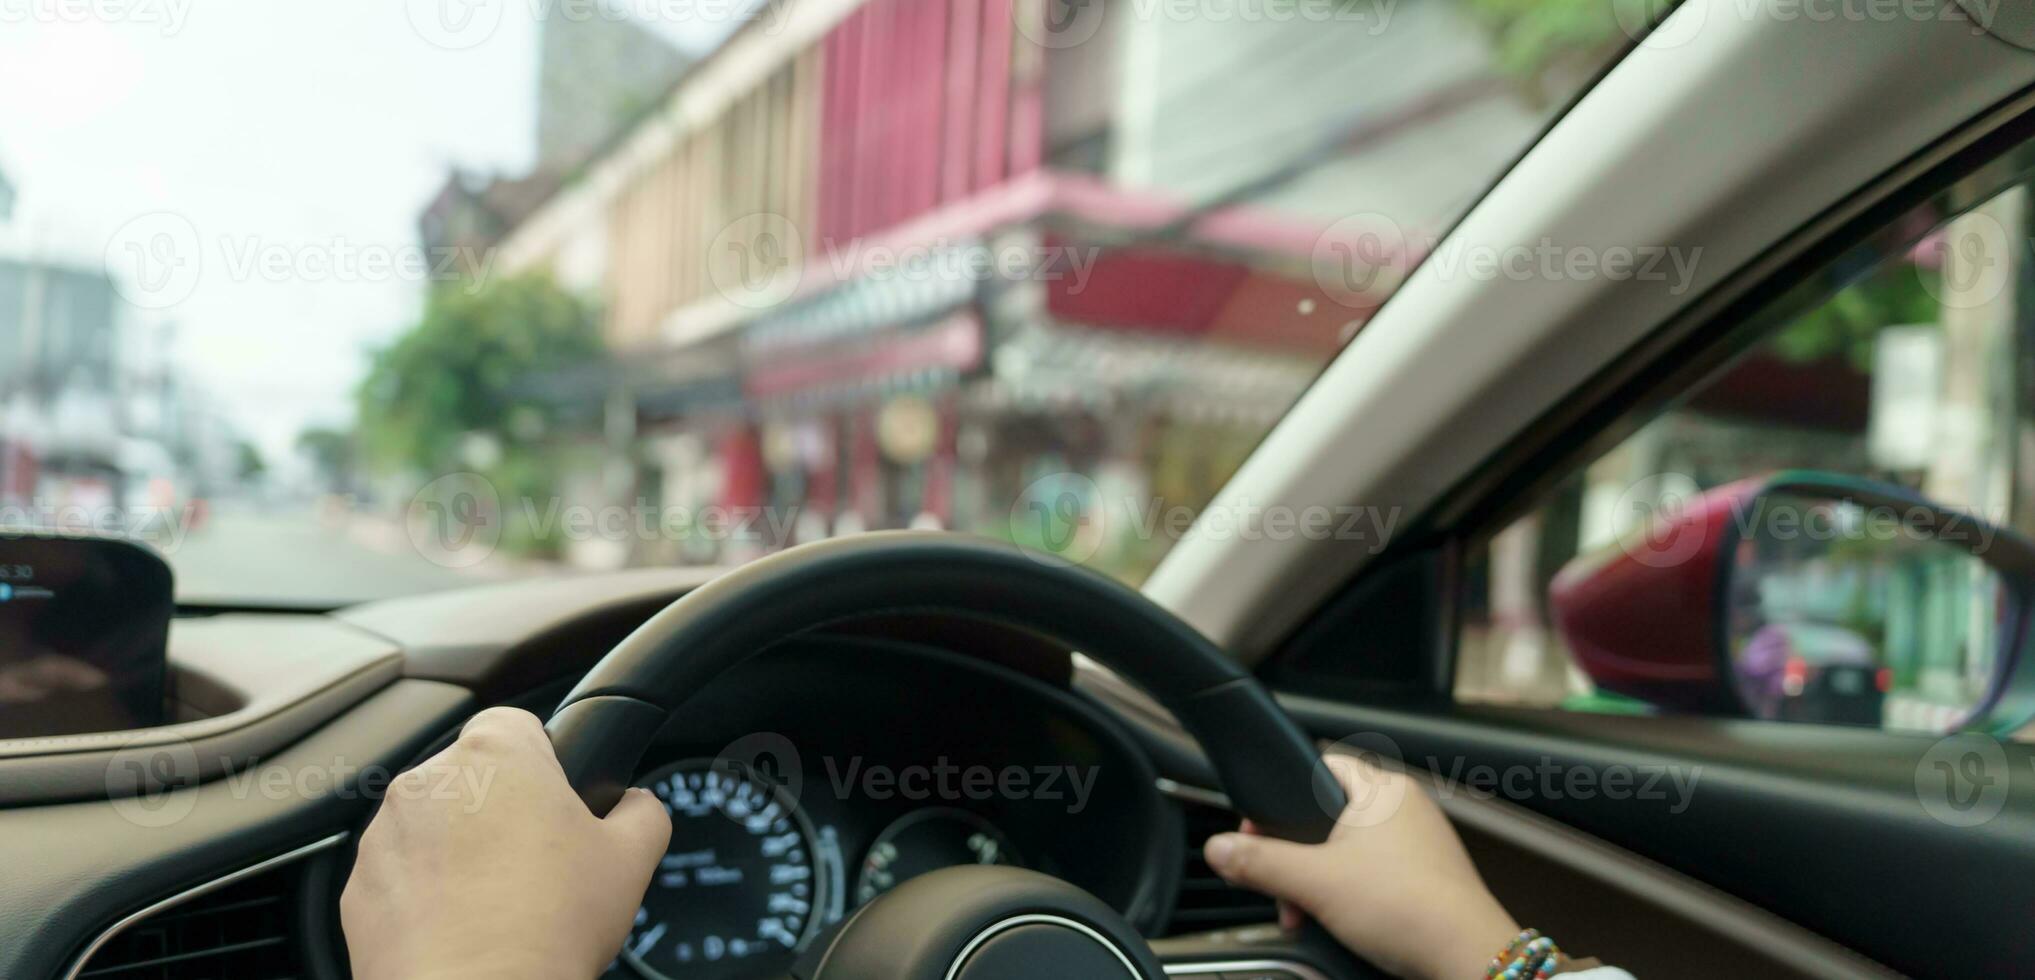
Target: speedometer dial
(738, 891)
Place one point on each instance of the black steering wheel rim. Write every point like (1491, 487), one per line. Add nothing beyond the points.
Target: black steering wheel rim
(1270, 770)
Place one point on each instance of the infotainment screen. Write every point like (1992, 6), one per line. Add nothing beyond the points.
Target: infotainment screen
(84, 632)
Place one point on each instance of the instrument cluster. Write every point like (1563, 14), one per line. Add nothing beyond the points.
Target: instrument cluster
(822, 775)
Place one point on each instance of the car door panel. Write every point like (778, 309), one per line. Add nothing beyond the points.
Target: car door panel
(1824, 827)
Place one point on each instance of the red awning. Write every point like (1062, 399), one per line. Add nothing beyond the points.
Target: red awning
(954, 344)
(1203, 297)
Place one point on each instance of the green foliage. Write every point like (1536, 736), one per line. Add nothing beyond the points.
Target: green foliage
(1848, 323)
(330, 452)
(250, 465)
(466, 369)
(1534, 36)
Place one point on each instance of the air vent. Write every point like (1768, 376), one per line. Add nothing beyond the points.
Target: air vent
(246, 930)
(1207, 902)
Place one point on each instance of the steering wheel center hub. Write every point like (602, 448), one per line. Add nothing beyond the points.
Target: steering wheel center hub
(981, 923)
(1024, 947)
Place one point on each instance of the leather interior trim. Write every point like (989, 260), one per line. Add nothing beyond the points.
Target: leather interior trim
(1822, 825)
(1541, 870)
(1636, 914)
(284, 676)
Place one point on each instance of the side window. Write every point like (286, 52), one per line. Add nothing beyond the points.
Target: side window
(1803, 536)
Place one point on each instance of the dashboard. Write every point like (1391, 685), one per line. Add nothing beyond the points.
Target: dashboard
(811, 778)
(829, 770)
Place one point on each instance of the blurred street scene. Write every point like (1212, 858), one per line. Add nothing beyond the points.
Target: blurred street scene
(478, 290)
(1028, 268)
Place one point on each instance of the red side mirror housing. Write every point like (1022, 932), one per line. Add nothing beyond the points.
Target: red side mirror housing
(1642, 617)
(1811, 596)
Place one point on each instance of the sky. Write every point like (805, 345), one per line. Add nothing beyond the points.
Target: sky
(287, 143)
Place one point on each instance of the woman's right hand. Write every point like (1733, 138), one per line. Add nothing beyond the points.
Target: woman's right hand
(1392, 883)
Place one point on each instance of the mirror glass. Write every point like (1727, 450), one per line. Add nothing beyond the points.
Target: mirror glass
(1851, 614)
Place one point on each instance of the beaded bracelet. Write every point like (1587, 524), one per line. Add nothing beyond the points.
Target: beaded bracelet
(1530, 955)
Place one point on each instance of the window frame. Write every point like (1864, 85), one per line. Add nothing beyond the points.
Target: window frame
(1697, 344)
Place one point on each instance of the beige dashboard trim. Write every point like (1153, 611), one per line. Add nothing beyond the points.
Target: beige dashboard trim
(248, 685)
(260, 664)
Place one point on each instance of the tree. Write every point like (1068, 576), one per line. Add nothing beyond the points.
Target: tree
(249, 465)
(331, 454)
(468, 369)
(1847, 325)
(1535, 39)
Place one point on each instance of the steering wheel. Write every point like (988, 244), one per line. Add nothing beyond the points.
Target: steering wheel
(974, 923)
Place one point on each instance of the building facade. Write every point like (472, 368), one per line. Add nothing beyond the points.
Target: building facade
(887, 263)
(59, 377)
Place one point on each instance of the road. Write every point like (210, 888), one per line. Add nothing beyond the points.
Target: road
(292, 558)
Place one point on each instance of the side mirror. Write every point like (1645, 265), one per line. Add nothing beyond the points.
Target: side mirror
(1811, 597)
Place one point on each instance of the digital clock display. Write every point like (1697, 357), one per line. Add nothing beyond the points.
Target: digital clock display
(84, 627)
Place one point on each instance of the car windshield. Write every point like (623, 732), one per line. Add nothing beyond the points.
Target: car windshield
(343, 301)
